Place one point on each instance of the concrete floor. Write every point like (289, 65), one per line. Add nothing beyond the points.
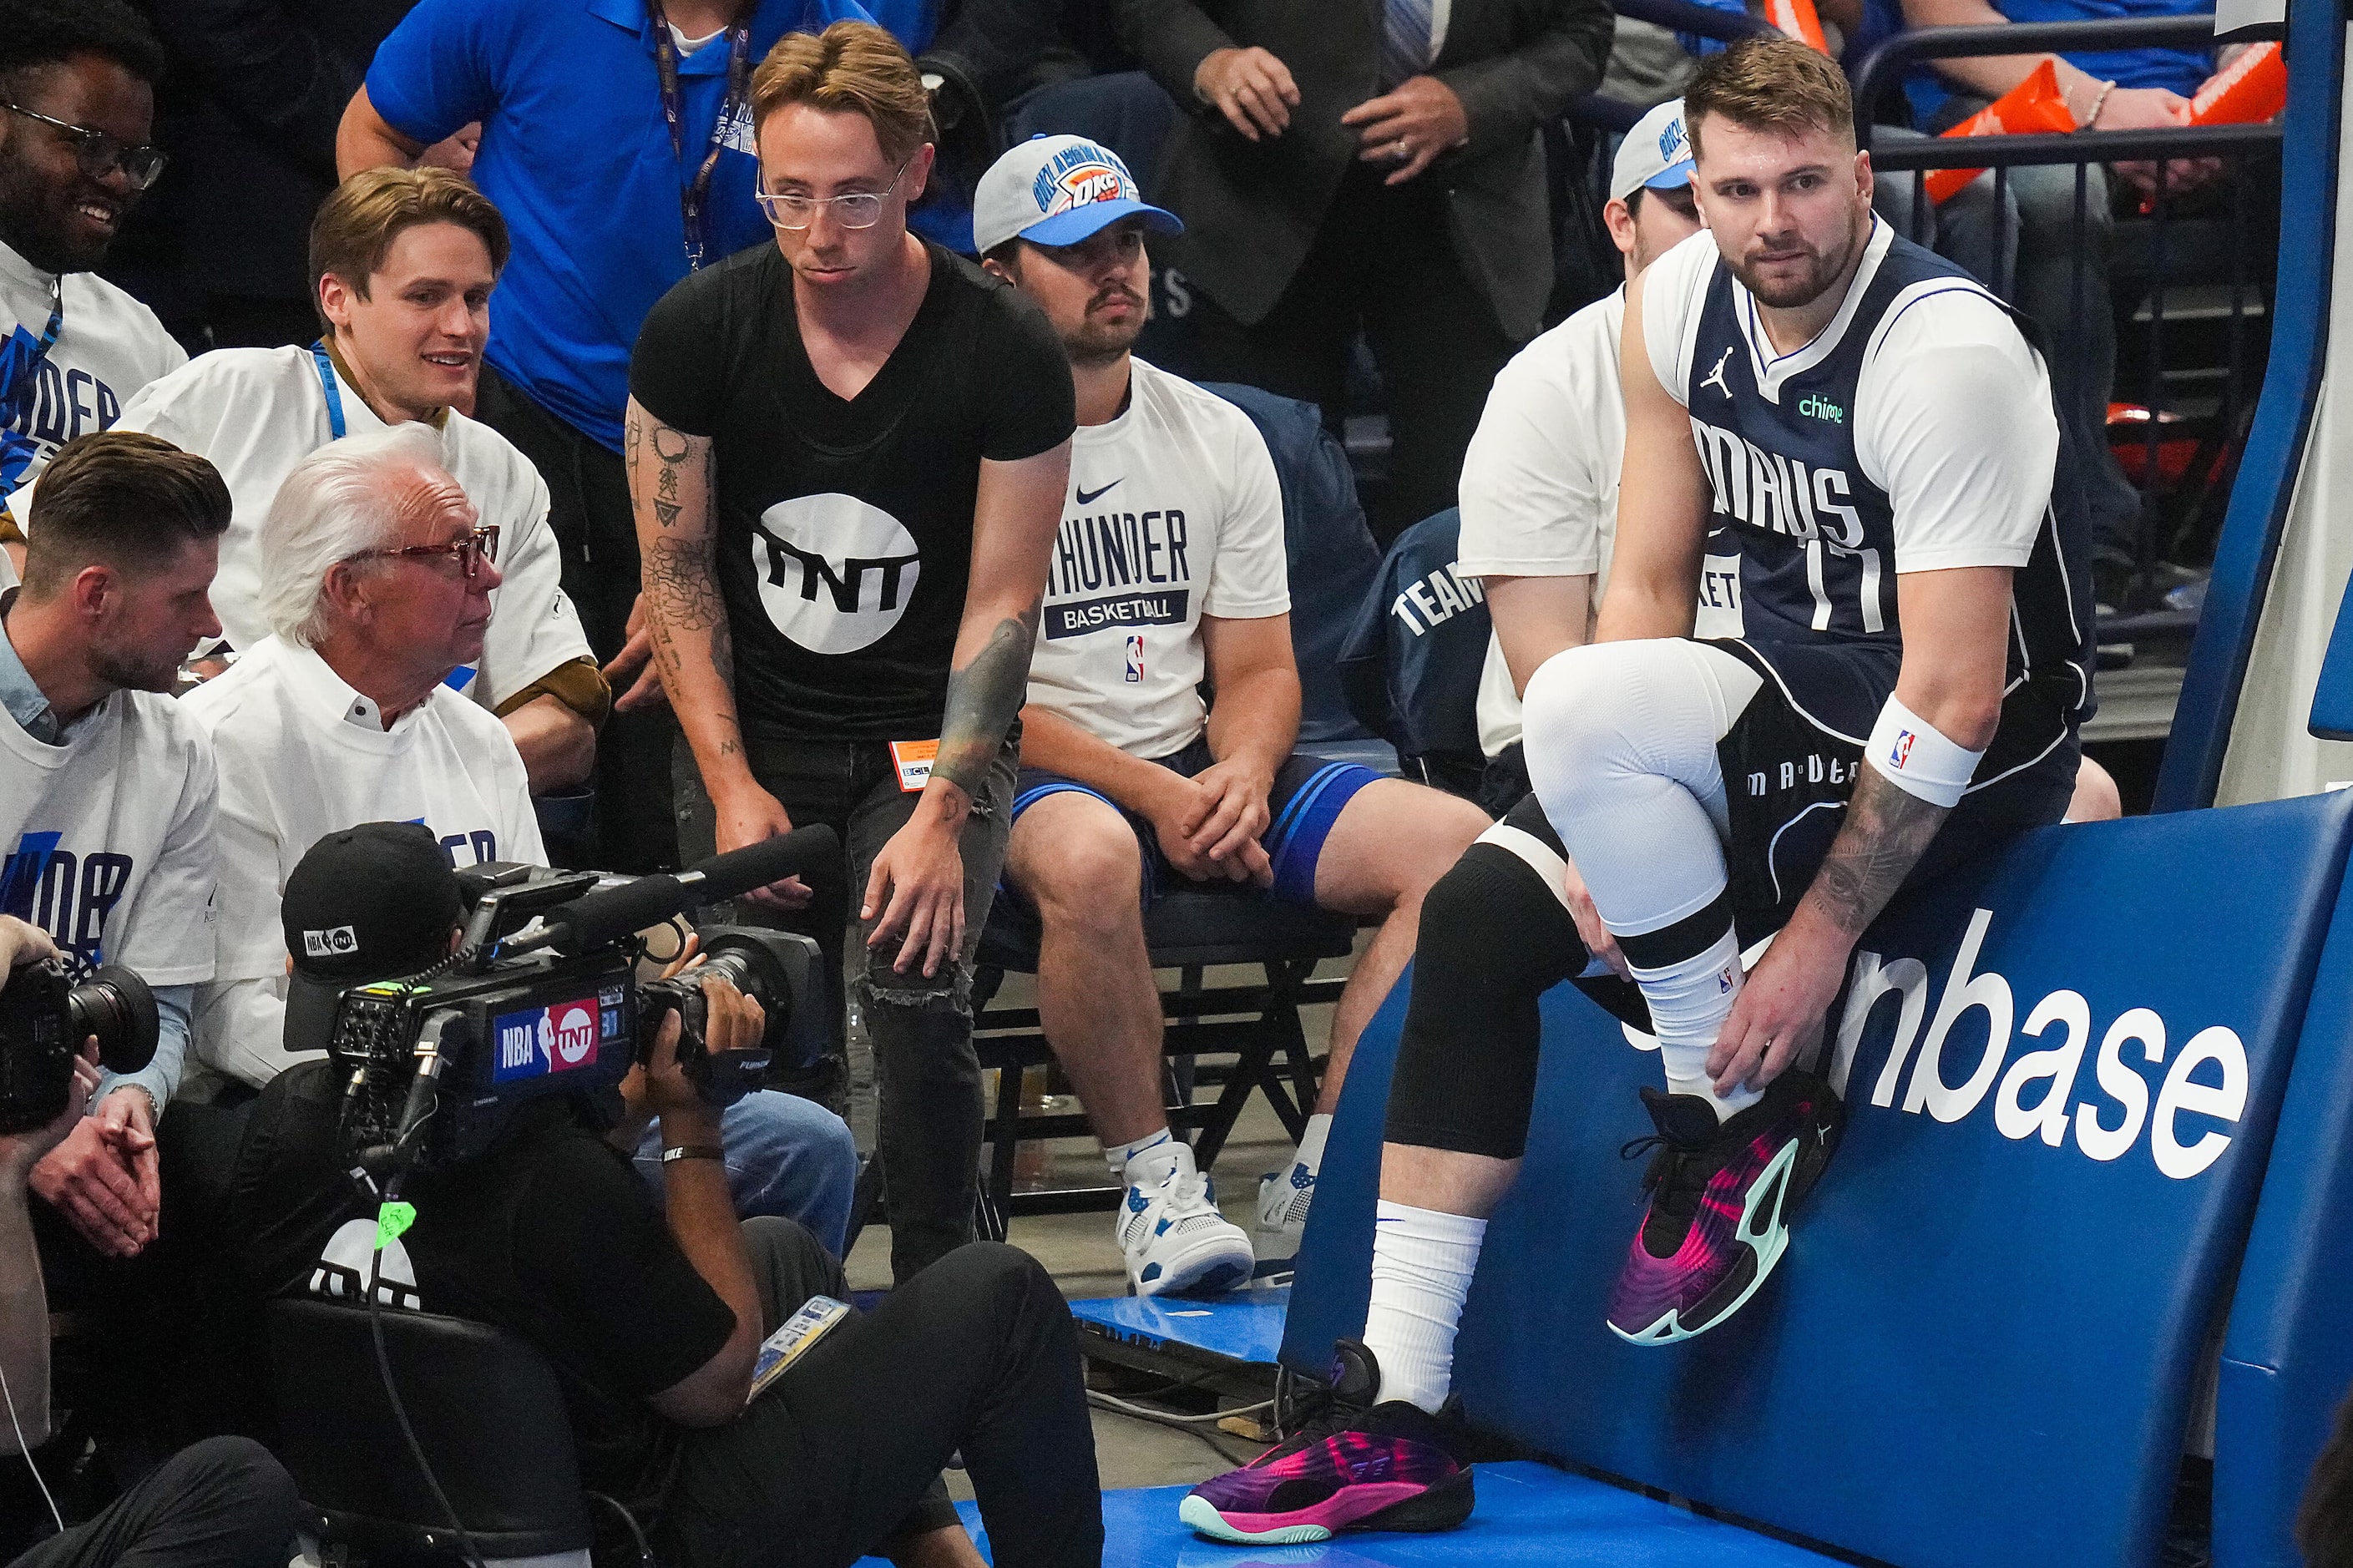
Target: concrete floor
(1082, 1254)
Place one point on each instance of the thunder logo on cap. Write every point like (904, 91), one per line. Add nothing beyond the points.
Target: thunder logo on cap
(1077, 176)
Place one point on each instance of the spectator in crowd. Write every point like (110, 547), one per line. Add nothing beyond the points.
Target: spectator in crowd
(107, 785)
(616, 136)
(849, 453)
(376, 579)
(77, 108)
(224, 1503)
(652, 1320)
(259, 90)
(403, 262)
(2062, 266)
(1129, 782)
(1374, 167)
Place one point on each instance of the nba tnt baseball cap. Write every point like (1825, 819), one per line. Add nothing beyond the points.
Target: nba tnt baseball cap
(374, 902)
(1058, 190)
(1656, 153)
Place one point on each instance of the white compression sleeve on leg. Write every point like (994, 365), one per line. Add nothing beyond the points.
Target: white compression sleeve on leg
(1422, 1264)
(1916, 757)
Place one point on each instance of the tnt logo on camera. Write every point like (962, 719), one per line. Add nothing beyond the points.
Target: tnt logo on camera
(537, 1041)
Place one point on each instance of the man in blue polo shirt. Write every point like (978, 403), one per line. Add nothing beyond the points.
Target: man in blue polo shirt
(605, 144)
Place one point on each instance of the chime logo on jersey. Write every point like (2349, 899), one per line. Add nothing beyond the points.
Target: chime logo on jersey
(541, 1041)
(1077, 176)
(835, 574)
(1135, 660)
(1774, 493)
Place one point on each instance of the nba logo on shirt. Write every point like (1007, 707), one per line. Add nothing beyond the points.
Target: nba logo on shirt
(1135, 660)
(1900, 753)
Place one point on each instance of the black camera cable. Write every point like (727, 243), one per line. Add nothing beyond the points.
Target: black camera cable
(469, 1548)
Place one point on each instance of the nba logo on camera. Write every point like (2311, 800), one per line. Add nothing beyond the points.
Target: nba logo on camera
(541, 1040)
(1900, 753)
(1135, 660)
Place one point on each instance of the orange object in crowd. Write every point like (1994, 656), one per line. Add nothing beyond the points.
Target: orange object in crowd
(2034, 104)
(2247, 91)
(1800, 20)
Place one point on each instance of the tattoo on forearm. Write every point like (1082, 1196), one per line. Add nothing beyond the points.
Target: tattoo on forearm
(983, 698)
(681, 593)
(1886, 832)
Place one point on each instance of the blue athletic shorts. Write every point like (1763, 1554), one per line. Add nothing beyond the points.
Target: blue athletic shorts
(1306, 800)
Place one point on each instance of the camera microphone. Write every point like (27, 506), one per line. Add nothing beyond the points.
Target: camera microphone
(595, 918)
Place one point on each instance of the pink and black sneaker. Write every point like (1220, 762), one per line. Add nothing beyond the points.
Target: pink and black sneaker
(1360, 1466)
(1721, 1194)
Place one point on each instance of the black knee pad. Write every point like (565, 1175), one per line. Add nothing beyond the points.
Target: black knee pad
(1494, 939)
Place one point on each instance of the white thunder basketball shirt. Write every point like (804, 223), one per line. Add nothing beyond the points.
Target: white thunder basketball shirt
(1174, 513)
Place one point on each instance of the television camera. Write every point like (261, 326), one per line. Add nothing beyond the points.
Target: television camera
(542, 997)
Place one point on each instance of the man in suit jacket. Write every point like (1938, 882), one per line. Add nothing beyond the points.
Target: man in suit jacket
(1370, 164)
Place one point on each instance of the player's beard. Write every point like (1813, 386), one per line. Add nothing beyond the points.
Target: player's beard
(1823, 270)
(1099, 342)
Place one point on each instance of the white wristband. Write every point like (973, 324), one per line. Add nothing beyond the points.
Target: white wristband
(1911, 754)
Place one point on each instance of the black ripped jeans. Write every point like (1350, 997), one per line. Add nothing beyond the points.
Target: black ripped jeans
(929, 1135)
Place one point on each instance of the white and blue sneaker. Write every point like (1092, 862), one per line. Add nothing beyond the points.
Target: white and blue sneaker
(1284, 1200)
(1175, 1241)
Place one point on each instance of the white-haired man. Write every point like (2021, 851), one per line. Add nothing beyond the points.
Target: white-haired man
(375, 582)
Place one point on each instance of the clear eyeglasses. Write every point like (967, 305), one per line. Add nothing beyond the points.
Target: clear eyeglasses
(859, 209)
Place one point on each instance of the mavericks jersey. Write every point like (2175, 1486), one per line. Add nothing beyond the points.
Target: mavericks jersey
(1915, 433)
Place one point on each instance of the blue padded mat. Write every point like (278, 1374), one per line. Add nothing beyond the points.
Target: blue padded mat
(1982, 1347)
(1527, 1513)
(1246, 1326)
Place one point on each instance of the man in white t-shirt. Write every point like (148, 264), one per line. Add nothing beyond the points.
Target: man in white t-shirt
(106, 783)
(376, 578)
(77, 83)
(1169, 570)
(403, 262)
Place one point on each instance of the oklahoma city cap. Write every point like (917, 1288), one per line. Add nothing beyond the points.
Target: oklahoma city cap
(1656, 153)
(1058, 190)
(372, 902)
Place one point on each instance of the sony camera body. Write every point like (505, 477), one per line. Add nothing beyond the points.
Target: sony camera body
(441, 1060)
(46, 1011)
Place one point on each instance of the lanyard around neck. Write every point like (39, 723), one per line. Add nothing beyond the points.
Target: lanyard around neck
(694, 193)
(335, 428)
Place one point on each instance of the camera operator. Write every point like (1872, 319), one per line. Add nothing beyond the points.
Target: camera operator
(651, 1318)
(106, 784)
(376, 582)
(222, 1503)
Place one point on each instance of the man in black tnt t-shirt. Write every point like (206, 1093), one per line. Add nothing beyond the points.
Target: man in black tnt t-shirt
(848, 456)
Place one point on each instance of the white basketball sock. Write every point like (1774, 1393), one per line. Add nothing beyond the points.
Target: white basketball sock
(1151, 1159)
(1422, 1264)
(1689, 1003)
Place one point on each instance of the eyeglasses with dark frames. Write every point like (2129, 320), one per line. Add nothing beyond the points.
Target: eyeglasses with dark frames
(469, 552)
(99, 153)
(858, 209)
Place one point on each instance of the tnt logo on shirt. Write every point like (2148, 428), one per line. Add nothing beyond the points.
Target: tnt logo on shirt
(835, 574)
(66, 895)
(541, 1040)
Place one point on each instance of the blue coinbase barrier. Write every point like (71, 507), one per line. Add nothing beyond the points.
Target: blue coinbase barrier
(2288, 1358)
(2063, 1076)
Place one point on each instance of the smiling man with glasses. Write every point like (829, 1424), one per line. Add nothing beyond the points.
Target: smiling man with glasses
(847, 454)
(77, 114)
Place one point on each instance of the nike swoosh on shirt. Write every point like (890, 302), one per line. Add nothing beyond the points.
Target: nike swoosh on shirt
(1088, 498)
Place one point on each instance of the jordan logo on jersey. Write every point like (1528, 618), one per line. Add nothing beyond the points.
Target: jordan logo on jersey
(1715, 377)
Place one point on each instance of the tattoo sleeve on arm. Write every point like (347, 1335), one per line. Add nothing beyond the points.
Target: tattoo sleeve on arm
(983, 698)
(1887, 830)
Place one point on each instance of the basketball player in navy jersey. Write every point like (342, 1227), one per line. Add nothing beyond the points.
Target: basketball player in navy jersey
(1872, 429)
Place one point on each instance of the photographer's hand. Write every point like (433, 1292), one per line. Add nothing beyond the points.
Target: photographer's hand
(21, 943)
